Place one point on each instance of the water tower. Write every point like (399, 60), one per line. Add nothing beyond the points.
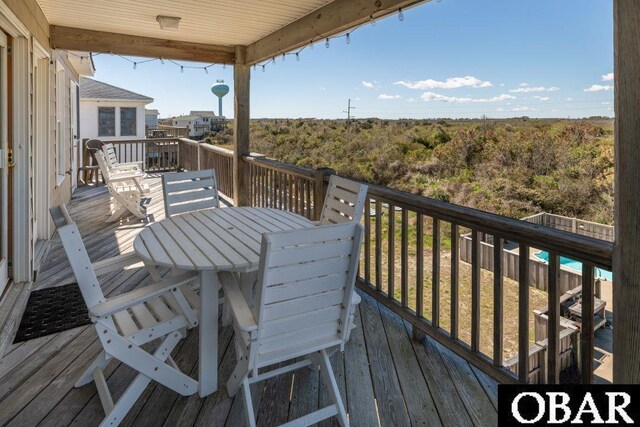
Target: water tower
(220, 89)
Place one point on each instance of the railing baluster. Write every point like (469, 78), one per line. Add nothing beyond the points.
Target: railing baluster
(404, 258)
(378, 255)
(455, 267)
(553, 321)
(498, 298)
(391, 251)
(367, 240)
(435, 274)
(475, 290)
(586, 330)
(420, 265)
(523, 314)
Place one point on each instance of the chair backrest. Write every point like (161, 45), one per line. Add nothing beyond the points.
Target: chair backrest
(344, 201)
(305, 284)
(93, 145)
(189, 191)
(110, 155)
(104, 168)
(78, 256)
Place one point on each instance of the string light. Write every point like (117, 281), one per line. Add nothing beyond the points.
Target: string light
(206, 71)
(254, 67)
(400, 15)
(348, 38)
(273, 60)
(182, 68)
(135, 65)
(161, 61)
(283, 57)
(82, 59)
(224, 66)
(297, 56)
(263, 68)
(372, 20)
(326, 43)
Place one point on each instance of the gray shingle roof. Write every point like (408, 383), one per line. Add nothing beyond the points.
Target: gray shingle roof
(93, 89)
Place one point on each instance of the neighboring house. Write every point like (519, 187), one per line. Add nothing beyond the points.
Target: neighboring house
(39, 144)
(111, 113)
(198, 125)
(151, 118)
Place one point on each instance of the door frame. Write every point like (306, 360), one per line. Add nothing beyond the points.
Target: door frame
(4, 175)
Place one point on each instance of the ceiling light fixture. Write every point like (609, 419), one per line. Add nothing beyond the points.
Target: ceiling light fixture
(168, 22)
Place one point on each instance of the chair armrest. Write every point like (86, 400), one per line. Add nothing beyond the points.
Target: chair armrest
(243, 317)
(129, 165)
(124, 178)
(118, 262)
(138, 296)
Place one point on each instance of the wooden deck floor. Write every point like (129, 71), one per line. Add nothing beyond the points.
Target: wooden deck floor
(385, 377)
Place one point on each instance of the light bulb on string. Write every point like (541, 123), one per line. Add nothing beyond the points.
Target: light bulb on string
(400, 15)
(135, 65)
(161, 61)
(273, 60)
(326, 43)
(298, 56)
(348, 38)
(283, 57)
(311, 45)
(254, 67)
(224, 66)
(206, 71)
(82, 59)
(263, 69)
(182, 68)
(372, 20)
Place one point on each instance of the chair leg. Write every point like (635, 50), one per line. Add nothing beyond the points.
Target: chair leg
(248, 403)
(126, 401)
(332, 385)
(99, 362)
(237, 377)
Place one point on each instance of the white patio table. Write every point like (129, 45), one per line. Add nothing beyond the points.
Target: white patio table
(211, 241)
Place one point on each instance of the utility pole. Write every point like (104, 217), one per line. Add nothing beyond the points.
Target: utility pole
(348, 111)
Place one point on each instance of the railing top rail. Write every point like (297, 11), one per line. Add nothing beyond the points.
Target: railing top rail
(141, 140)
(218, 150)
(188, 141)
(280, 166)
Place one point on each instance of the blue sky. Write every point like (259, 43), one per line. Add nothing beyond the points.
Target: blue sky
(452, 58)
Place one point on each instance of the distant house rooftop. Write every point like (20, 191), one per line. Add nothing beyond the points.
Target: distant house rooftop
(96, 90)
(202, 113)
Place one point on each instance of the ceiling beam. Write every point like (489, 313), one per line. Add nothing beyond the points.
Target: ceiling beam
(334, 18)
(125, 44)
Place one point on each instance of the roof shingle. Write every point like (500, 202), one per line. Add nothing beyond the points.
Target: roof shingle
(94, 89)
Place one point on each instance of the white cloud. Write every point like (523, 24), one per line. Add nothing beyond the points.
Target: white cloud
(450, 83)
(323, 89)
(411, 100)
(521, 109)
(541, 98)
(385, 96)
(523, 84)
(598, 88)
(569, 99)
(430, 96)
(528, 89)
(499, 109)
(368, 85)
(605, 103)
(607, 77)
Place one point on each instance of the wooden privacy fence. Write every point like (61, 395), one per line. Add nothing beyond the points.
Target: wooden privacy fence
(401, 229)
(574, 225)
(538, 270)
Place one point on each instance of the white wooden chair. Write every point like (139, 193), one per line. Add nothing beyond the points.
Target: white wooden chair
(156, 313)
(304, 300)
(112, 160)
(189, 191)
(125, 190)
(344, 201)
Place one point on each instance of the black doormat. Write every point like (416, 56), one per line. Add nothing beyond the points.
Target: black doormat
(52, 310)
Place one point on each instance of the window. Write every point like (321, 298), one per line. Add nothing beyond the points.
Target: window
(127, 121)
(106, 121)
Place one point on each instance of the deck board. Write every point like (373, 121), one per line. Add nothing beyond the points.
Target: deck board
(385, 377)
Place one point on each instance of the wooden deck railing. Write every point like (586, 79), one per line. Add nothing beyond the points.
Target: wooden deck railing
(411, 264)
(156, 155)
(197, 156)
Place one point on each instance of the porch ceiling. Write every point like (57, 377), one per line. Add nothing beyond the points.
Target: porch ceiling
(219, 22)
(209, 31)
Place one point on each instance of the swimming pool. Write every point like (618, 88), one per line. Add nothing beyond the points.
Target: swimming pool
(574, 265)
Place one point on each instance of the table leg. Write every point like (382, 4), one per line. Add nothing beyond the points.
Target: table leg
(208, 363)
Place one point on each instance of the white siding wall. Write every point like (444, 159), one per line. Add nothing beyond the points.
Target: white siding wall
(89, 119)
